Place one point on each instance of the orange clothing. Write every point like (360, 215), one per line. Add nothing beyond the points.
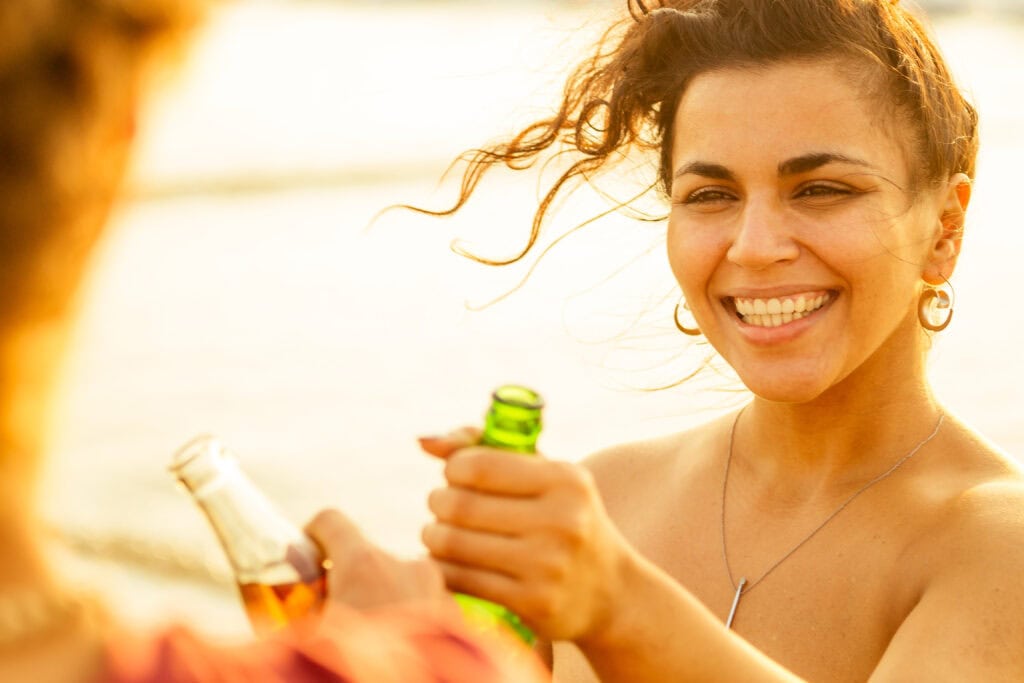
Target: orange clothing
(387, 646)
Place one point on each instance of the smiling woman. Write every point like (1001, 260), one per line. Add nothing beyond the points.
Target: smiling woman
(817, 160)
(797, 198)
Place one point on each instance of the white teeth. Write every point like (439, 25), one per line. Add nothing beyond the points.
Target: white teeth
(775, 312)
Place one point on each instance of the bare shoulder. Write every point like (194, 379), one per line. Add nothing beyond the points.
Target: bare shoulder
(974, 524)
(982, 488)
(968, 621)
(624, 471)
(984, 526)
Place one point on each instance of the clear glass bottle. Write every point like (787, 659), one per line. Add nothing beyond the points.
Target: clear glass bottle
(513, 423)
(279, 570)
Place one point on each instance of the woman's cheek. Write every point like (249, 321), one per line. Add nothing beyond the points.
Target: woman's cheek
(678, 249)
(692, 255)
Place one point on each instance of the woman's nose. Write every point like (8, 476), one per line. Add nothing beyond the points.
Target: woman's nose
(763, 237)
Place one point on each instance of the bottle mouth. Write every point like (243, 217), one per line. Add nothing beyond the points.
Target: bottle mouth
(519, 396)
(202, 445)
(203, 465)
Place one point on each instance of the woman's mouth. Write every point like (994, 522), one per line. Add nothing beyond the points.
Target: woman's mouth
(780, 310)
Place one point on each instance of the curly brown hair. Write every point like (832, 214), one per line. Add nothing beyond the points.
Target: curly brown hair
(69, 77)
(623, 98)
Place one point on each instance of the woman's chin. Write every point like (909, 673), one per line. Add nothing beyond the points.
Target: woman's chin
(786, 389)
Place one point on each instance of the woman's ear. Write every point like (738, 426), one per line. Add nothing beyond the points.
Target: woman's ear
(945, 249)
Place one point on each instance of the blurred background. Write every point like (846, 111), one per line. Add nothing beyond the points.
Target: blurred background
(247, 291)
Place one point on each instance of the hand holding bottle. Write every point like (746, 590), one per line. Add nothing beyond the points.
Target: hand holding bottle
(283, 576)
(529, 533)
(362, 576)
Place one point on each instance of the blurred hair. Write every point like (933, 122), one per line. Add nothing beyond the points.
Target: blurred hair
(625, 95)
(69, 77)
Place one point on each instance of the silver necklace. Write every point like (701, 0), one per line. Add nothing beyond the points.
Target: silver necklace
(744, 586)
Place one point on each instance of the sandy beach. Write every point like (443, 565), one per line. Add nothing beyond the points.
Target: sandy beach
(242, 293)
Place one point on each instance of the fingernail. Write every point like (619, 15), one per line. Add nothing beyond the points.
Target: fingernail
(426, 441)
(433, 437)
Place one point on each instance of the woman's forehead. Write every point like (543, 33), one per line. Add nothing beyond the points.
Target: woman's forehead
(785, 109)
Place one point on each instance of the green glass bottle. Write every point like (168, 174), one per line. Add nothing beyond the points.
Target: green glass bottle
(513, 423)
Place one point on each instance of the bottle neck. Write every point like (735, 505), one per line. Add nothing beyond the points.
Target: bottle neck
(513, 421)
(261, 544)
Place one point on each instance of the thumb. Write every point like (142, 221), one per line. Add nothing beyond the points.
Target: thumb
(334, 533)
(445, 446)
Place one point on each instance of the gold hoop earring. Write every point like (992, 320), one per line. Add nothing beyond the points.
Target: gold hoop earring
(935, 309)
(689, 331)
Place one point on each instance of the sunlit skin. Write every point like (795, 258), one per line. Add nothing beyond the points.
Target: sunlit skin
(788, 179)
(785, 182)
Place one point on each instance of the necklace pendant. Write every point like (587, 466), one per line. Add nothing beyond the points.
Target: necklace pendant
(736, 602)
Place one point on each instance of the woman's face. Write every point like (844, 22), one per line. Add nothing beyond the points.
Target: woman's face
(792, 233)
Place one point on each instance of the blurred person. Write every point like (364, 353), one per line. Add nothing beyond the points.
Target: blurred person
(816, 160)
(72, 73)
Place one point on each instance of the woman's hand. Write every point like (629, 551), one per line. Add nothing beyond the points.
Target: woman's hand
(525, 532)
(419, 633)
(362, 576)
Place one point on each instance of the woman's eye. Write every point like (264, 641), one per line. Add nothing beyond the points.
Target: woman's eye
(707, 195)
(823, 191)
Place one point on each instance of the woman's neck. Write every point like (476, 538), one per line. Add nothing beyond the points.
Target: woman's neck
(844, 437)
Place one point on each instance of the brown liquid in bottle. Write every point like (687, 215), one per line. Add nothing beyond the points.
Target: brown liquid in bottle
(278, 569)
(273, 607)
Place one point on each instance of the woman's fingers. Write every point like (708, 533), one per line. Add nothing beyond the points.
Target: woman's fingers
(362, 575)
(526, 532)
(356, 574)
(491, 470)
(531, 534)
(334, 533)
(472, 465)
(443, 446)
(482, 511)
(493, 586)
(479, 549)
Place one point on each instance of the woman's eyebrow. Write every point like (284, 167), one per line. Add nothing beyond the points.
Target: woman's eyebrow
(810, 162)
(708, 170)
(794, 166)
